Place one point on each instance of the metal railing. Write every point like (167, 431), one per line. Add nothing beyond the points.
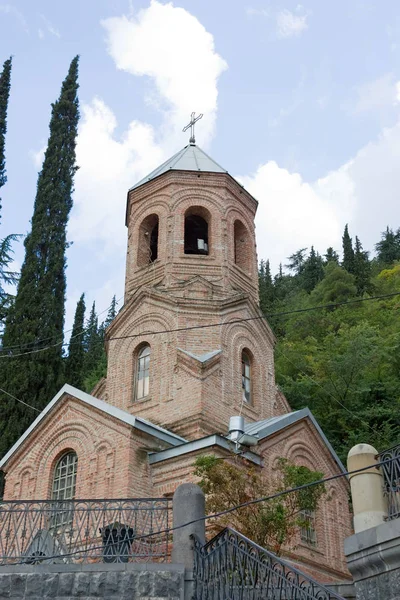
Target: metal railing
(76, 531)
(391, 477)
(231, 566)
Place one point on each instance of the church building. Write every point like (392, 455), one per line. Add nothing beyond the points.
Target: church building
(188, 350)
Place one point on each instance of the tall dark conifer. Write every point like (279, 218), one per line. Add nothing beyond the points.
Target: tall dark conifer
(362, 269)
(92, 342)
(38, 311)
(5, 84)
(388, 248)
(313, 271)
(76, 352)
(348, 252)
(266, 286)
(6, 276)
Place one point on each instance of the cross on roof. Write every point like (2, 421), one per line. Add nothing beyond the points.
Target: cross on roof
(193, 120)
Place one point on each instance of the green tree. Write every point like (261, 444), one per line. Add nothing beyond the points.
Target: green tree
(388, 248)
(7, 276)
(362, 269)
(313, 271)
(331, 256)
(92, 342)
(38, 310)
(5, 85)
(348, 252)
(97, 363)
(296, 261)
(271, 524)
(266, 287)
(76, 352)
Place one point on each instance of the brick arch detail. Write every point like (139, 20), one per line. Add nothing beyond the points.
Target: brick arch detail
(155, 204)
(192, 196)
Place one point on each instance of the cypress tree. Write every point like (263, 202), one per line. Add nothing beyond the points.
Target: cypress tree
(38, 311)
(6, 276)
(5, 84)
(348, 252)
(76, 351)
(92, 342)
(112, 313)
(266, 287)
(313, 271)
(362, 269)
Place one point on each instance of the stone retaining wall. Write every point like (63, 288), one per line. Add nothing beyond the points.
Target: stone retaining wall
(117, 581)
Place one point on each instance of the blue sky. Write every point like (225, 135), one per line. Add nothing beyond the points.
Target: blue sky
(301, 102)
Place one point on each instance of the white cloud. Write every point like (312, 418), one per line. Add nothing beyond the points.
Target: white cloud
(291, 213)
(108, 168)
(376, 95)
(49, 27)
(256, 12)
(38, 156)
(294, 213)
(172, 47)
(8, 9)
(288, 24)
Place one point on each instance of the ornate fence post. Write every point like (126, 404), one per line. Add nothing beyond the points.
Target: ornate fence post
(369, 503)
(188, 505)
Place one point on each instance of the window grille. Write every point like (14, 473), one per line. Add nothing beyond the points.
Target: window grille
(143, 373)
(246, 377)
(307, 530)
(64, 483)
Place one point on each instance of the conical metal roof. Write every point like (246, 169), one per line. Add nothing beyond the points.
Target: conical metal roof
(190, 158)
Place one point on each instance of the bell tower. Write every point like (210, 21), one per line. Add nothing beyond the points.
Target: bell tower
(189, 349)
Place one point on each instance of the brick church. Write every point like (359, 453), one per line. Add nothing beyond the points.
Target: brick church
(187, 351)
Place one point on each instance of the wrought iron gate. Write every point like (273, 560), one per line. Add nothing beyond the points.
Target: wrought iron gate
(232, 567)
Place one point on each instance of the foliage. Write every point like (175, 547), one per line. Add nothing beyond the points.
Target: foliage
(348, 252)
(76, 352)
(271, 524)
(38, 310)
(343, 362)
(5, 84)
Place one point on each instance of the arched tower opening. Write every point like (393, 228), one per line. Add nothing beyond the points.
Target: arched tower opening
(197, 225)
(148, 241)
(242, 246)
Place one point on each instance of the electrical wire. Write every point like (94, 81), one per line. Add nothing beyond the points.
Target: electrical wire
(231, 509)
(260, 317)
(61, 343)
(21, 401)
(210, 325)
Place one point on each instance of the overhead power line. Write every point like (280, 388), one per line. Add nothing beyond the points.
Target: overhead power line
(210, 325)
(60, 343)
(232, 508)
(258, 318)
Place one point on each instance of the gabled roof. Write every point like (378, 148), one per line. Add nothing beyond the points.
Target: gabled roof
(113, 411)
(267, 427)
(190, 158)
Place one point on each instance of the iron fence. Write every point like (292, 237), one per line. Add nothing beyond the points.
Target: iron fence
(85, 531)
(391, 477)
(232, 567)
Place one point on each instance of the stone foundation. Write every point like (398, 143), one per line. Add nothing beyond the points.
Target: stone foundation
(116, 581)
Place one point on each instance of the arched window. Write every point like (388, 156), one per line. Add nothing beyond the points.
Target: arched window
(64, 480)
(142, 373)
(243, 249)
(246, 376)
(196, 230)
(148, 241)
(308, 534)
